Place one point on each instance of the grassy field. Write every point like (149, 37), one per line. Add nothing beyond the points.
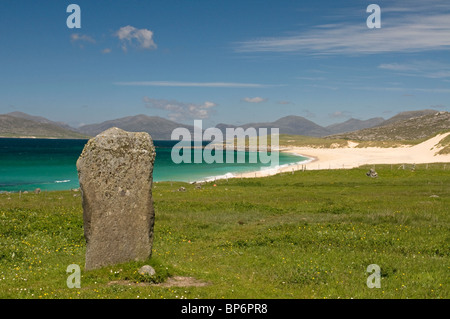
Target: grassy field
(310, 234)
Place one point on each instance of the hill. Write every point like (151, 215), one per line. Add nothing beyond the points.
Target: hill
(414, 128)
(41, 119)
(403, 116)
(293, 125)
(354, 125)
(12, 126)
(157, 127)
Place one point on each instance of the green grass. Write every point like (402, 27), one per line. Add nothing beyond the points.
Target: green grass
(310, 234)
(445, 143)
(309, 141)
(286, 140)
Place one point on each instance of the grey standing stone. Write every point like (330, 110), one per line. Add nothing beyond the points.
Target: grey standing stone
(115, 173)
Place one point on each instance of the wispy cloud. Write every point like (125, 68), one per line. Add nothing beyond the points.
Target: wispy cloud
(181, 111)
(432, 90)
(403, 89)
(311, 78)
(195, 84)
(405, 31)
(255, 99)
(428, 69)
(130, 35)
(106, 51)
(326, 87)
(81, 39)
(395, 67)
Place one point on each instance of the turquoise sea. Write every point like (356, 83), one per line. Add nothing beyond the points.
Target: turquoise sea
(50, 164)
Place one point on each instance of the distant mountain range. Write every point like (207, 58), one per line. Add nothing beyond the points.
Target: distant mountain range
(403, 116)
(297, 125)
(294, 125)
(23, 125)
(406, 126)
(18, 124)
(40, 119)
(157, 127)
(354, 125)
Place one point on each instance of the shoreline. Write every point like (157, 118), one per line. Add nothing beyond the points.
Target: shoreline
(349, 157)
(261, 172)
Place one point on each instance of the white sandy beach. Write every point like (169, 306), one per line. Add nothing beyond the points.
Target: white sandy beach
(351, 156)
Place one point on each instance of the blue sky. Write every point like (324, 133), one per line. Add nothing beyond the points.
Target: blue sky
(223, 61)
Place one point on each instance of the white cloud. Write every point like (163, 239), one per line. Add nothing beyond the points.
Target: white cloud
(395, 67)
(403, 89)
(256, 99)
(428, 69)
(129, 34)
(106, 51)
(180, 111)
(433, 90)
(196, 84)
(311, 78)
(327, 87)
(76, 37)
(409, 32)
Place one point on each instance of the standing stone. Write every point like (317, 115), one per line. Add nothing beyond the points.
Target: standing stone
(115, 173)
